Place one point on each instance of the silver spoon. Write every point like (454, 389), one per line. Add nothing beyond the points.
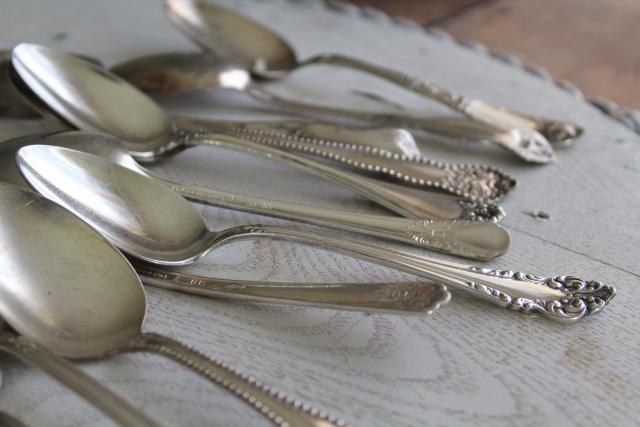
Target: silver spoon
(90, 98)
(242, 41)
(84, 301)
(14, 105)
(180, 72)
(481, 240)
(117, 202)
(399, 298)
(26, 235)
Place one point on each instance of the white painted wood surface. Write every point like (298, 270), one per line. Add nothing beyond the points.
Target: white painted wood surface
(471, 364)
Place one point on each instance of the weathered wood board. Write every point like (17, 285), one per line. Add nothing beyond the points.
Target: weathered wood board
(470, 364)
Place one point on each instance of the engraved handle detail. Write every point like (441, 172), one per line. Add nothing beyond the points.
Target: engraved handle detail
(482, 240)
(386, 195)
(67, 374)
(472, 182)
(280, 409)
(561, 298)
(398, 298)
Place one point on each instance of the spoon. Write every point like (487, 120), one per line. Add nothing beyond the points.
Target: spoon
(180, 72)
(117, 202)
(399, 298)
(90, 98)
(83, 300)
(230, 35)
(469, 238)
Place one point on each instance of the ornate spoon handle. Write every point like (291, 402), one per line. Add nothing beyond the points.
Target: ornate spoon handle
(482, 240)
(561, 298)
(469, 181)
(64, 372)
(554, 131)
(391, 197)
(529, 141)
(397, 298)
(280, 409)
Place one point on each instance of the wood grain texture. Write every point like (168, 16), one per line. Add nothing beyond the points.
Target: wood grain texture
(590, 43)
(470, 364)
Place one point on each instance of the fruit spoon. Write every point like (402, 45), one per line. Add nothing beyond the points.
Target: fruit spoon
(481, 240)
(83, 300)
(180, 72)
(170, 231)
(90, 98)
(240, 40)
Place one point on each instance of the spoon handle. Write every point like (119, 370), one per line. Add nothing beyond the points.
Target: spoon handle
(481, 240)
(388, 195)
(279, 408)
(529, 138)
(468, 181)
(556, 132)
(67, 374)
(561, 298)
(397, 298)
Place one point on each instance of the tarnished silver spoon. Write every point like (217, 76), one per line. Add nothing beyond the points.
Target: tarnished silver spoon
(83, 300)
(233, 36)
(182, 72)
(467, 237)
(117, 202)
(90, 98)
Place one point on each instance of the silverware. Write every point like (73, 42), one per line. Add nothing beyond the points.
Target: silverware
(473, 182)
(91, 98)
(243, 41)
(114, 200)
(25, 229)
(180, 72)
(397, 298)
(79, 272)
(470, 238)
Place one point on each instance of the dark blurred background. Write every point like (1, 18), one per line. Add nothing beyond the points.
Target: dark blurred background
(592, 43)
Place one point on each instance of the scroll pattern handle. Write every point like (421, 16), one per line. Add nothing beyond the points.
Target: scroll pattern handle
(561, 298)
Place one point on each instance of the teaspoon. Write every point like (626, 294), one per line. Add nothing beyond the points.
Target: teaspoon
(180, 72)
(470, 238)
(83, 300)
(233, 36)
(117, 202)
(90, 98)
(399, 298)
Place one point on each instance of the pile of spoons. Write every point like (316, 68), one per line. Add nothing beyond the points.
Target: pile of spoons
(83, 201)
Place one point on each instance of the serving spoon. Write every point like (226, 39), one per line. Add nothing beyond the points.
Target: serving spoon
(90, 98)
(185, 72)
(233, 36)
(470, 238)
(116, 201)
(84, 301)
